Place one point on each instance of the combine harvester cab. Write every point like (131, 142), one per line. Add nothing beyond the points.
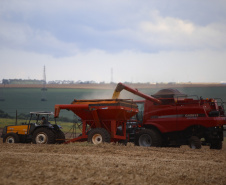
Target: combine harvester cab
(103, 120)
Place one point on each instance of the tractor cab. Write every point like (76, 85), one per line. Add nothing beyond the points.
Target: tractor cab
(41, 118)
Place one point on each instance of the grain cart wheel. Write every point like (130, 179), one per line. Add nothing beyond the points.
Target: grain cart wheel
(194, 142)
(43, 136)
(98, 136)
(148, 138)
(11, 138)
(216, 144)
(60, 135)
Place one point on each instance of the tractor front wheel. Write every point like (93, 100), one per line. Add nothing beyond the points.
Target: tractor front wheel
(98, 136)
(11, 138)
(43, 136)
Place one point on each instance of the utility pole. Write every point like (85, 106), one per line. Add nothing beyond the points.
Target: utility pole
(44, 89)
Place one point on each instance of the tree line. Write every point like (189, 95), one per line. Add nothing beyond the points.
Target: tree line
(27, 116)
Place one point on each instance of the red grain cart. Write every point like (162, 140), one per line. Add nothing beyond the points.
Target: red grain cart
(103, 120)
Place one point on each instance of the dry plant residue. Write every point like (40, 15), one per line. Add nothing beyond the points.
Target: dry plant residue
(82, 163)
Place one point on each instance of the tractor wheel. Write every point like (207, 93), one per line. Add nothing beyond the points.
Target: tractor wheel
(98, 136)
(60, 135)
(11, 138)
(148, 138)
(43, 136)
(217, 144)
(194, 142)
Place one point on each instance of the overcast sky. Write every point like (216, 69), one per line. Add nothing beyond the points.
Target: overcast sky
(142, 41)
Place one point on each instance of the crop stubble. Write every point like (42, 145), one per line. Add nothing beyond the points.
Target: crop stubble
(82, 163)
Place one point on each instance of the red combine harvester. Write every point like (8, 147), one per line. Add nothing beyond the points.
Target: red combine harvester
(167, 118)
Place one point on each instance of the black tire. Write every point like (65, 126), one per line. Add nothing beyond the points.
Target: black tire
(194, 142)
(148, 138)
(43, 136)
(60, 135)
(98, 136)
(11, 138)
(216, 145)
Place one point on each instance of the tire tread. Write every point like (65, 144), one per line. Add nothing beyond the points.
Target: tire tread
(51, 136)
(106, 136)
(156, 137)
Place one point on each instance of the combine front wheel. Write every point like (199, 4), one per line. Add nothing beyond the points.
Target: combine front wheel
(148, 138)
(98, 136)
(194, 142)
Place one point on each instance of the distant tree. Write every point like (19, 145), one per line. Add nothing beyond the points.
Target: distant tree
(5, 81)
(4, 115)
(23, 116)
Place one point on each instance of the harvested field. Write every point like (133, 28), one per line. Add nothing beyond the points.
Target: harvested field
(83, 163)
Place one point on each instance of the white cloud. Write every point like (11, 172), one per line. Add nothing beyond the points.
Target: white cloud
(167, 25)
(64, 28)
(141, 41)
(168, 33)
(23, 37)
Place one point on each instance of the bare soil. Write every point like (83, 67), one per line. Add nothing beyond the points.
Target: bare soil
(84, 163)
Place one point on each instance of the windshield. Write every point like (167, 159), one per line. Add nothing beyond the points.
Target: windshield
(41, 118)
(139, 115)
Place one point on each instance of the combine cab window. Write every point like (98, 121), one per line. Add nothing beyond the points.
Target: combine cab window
(138, 118)
(139, 115)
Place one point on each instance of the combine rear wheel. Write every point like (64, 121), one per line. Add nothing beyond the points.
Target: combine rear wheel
(43, 136)
(148, 138)
(98, 136)
(194, 142)
(11, 138)
(216, 144)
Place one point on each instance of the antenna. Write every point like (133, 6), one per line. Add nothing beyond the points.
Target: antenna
(44, 89)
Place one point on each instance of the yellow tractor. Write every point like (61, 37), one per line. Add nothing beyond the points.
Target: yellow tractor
(38, 131)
